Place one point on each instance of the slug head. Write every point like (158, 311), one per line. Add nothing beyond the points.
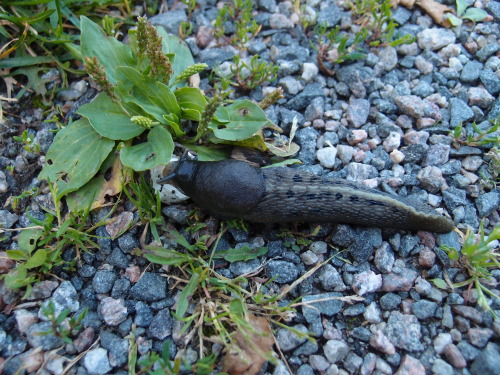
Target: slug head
(226, 188)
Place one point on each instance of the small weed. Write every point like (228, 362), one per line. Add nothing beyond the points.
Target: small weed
(29, 143)
(493, 159)
(15, 200)
(148, 204)
(480, 138)
(477, 257)
(464, 12)
(335, 47)
(240, 13)
(224, 310)
(248, 76)
(62, 326)
(41, 245)
(376, 18)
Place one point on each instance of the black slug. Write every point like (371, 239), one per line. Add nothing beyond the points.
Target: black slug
(234, 189)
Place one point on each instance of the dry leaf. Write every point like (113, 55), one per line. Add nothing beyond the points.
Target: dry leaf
(431, 7)
(246, 357)
(120, 224)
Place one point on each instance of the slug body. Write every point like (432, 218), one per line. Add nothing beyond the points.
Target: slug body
(234, 189)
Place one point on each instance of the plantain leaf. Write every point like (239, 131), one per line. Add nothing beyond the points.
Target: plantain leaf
(110, 52)
(157, 150)
(245, 119)
(109, 119)
(75, 156)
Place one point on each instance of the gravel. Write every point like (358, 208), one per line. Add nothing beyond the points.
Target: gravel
(372, 306)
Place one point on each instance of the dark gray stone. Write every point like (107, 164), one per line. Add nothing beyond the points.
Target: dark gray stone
(45, 341)
(161, 325)
(86, 271)
(170, 20)
(306, 138)
(424, 309)
(150, 287)
(487, 203)
(285, 272)
(454, 198)
(118, 258)
(329, 16)
(487, 362)
(470, 72)
(143, 314)
(214, 56)
(328, 306)
(103, 281)
(390, 301)
(302, 100)
(490, 81)
(365, 242)
(128, 242)
(117, 348)
(460, 112)
(121, 288)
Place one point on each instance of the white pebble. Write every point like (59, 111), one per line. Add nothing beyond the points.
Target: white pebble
(392, 142)
(326, 156)
(309, 71)
(397, 156)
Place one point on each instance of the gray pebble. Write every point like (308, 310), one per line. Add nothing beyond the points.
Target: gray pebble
(46, 342)
(288, 340)
(488, 203)
(96, 362)
(150, 287)
(285, 272)
(103, 281)
(117, 348)
(470, 72)
(424, 309)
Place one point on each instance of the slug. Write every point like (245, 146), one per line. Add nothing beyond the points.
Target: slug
(234, 189)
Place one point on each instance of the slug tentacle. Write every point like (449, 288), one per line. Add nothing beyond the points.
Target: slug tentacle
(234, 189)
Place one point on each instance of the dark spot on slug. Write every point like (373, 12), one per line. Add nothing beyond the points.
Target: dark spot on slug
(395, 210)
(327, 194)
(310, 196)
(338, 196)
(290, 194)
(297, 178)
(354, 198)
(374, 203)
(314, 179)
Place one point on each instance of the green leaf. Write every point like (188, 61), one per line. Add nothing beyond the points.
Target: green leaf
(157, 150)
(245, 119)
(28, 239)
(172, 44)
(18, 278)
(160, 255)
(75, 156)
(16, 255)
(454, 21)
(172, 234)
(242, 254)
(187, 292)
(191, 101)
(461, 6)
(441, 284)
(153, 97)
(109, 119)
(110, 52)
(17, 62)
(475, 14)
(236, 307)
